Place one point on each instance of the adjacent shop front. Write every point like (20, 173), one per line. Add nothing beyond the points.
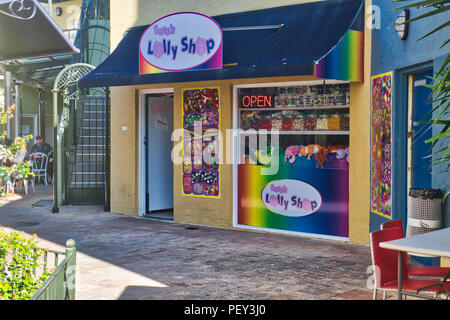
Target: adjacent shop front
(260, 140)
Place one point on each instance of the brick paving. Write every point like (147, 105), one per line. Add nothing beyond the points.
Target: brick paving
(120, 257)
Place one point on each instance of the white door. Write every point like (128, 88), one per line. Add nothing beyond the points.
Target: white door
(159, 147)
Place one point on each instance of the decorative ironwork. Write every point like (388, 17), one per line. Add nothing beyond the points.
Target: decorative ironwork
(19, 9)
(66, 84)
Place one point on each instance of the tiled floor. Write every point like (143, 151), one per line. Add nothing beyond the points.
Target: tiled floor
(121, 257)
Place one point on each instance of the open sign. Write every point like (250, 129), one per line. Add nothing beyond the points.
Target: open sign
(257, 101)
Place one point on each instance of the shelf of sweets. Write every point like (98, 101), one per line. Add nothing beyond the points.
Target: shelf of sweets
(295, 108)
(313, 96)
(295, 121)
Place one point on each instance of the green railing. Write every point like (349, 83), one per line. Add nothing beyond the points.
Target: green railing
(60, 285)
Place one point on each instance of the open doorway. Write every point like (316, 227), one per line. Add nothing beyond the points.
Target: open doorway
(158, 161)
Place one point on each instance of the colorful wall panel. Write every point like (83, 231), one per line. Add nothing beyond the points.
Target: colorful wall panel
(381, 145)
(297, 199)
(201, 124)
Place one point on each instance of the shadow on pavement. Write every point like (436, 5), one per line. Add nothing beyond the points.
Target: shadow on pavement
(120, 257)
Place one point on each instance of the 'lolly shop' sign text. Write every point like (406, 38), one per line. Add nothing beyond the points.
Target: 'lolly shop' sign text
(292, 198)
(181, 41)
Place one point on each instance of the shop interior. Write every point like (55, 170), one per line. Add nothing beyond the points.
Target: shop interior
(158, 148)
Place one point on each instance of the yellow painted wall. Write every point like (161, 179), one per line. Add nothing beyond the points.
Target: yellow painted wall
(129, 13)
(125, 153)
(360, 149)
(71, 11)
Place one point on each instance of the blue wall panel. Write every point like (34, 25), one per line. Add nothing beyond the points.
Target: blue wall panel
(390, 53)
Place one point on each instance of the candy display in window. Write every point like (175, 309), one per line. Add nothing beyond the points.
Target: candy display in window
(310, 122)
(334, 122)
(322, 123)
(299, 122)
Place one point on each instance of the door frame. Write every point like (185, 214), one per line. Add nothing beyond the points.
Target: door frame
(401, 122)
(142, 170)
(411, 88)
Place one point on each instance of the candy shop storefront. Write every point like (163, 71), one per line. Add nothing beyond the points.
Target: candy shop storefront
(304, 187)
(261, 104)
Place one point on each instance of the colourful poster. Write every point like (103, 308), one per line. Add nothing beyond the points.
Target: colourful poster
(381, 145)
(299, 198)
(201, 124)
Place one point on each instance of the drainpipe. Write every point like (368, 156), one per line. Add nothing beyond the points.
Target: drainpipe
(57, 186)
(42, 113)
(107, 162)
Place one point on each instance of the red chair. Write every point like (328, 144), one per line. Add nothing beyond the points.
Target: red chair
(414, 271)
(385, 266)
(392, 224)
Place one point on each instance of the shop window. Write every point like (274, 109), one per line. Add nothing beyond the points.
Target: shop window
(292, 174)
(306, 115)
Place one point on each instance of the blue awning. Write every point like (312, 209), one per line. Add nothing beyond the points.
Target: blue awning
(306, 34)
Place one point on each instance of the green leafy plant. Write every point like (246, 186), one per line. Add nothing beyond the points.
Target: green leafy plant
(22, 169)
(439, 116)
(19, 261)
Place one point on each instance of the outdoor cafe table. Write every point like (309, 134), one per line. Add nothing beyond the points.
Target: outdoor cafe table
(435, 243)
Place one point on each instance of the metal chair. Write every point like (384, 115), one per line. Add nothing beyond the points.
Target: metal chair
(40, 161)
(23, 183)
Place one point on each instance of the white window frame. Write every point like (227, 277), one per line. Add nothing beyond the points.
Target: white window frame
(35, 123)
(141, 150)
(236, 148)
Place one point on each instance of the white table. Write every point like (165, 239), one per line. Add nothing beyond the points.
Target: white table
(435, 243)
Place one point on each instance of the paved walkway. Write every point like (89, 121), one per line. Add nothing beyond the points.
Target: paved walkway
(123, 257)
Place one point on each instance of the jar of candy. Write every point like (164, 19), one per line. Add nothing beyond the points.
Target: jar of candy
(310, 122)
(345, 122)
(334, 122)
(265, 122)
(339, 99)
(321, 100)
(299, 122)
(288, 121)
(294, 101)
(330, 100)
(277, 101)
(307, 100)
(249, 120)
(322, 122)
(277, 122)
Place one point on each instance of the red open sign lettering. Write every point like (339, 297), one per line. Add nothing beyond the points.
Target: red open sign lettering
(256, 101)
